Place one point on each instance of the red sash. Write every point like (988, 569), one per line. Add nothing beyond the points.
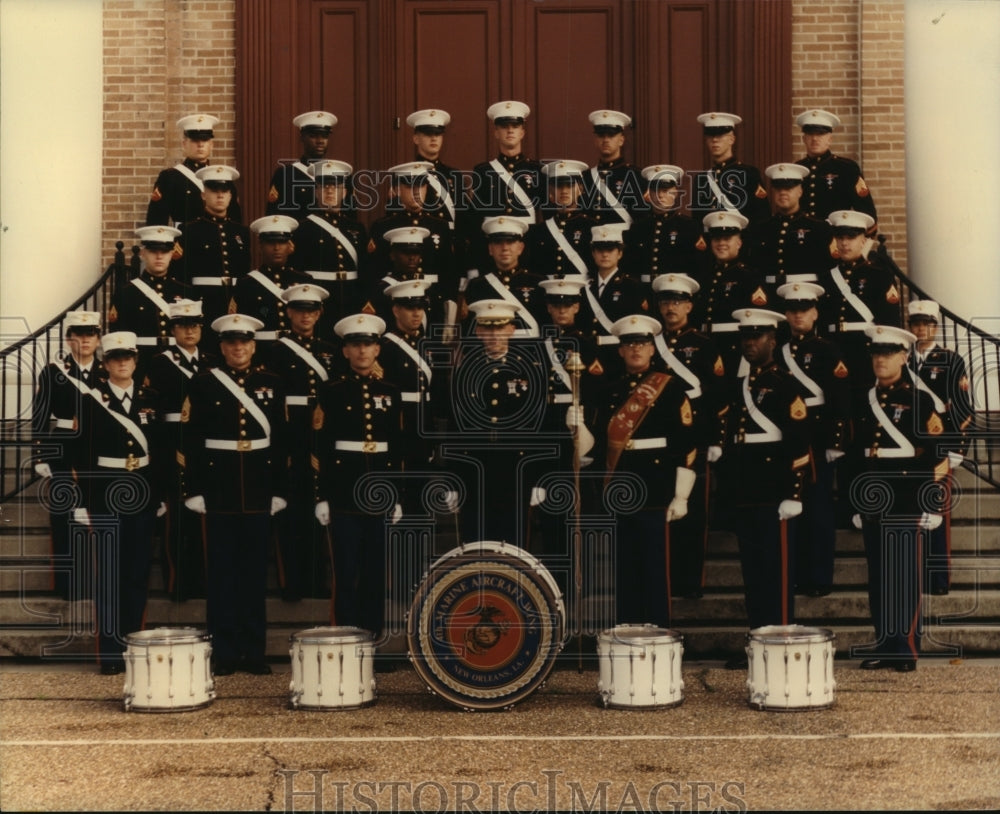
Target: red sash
(630, 415)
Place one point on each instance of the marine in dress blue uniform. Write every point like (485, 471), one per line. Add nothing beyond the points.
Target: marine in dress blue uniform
(613, 191)
(117, 460)
(176, 196)
(763, 470)
(446, 187)
(62, 386)
(293, 191)
(834, 182)
(665, 240)
(359, 449)
(304, 361)
(818, 366)
(559, 244)
(693, 357)
(236, 475)
(730, 184)
(259, 293)
(944, 372)
(645, 445)
(331, 245)
(899, 434)
(213, 250)
(170, 374)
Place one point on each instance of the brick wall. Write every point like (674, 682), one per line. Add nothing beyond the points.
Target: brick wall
(163, 59)
(167, 58)
(864, 88)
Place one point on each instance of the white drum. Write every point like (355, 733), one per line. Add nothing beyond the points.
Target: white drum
(640, 666)
(332, 668)
(168, 669)
(790, 667)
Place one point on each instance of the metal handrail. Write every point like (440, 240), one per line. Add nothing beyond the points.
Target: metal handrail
(22, 361)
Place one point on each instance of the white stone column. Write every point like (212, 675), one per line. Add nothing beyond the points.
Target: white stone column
(952, 97)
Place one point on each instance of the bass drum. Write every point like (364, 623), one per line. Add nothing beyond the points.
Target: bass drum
(486, 625)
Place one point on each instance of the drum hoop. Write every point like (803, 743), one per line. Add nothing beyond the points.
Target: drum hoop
(430, 669)
(790, 634)
(643, 634)
(333, 635)
(168, 635)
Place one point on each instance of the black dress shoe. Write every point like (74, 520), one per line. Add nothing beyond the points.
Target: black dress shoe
(939, 591)
(818, 590)
(907, 666)
(256, 668)
(112, 669)
(876, 664)
(223, 668)
(737, 663)
(384, 665)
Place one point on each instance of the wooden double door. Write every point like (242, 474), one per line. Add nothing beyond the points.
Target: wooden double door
(372, 62)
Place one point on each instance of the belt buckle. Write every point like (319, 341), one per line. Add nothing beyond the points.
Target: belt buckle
(340, 275)
(131, 463)
(243, 445)
(367, 446)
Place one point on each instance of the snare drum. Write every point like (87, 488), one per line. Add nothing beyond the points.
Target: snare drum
(168, 670)
(332, 668)
(790, 667)
(486, 625)
(640, 666)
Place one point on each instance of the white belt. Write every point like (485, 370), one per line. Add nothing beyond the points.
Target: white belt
(561, 398)
(430, 278)
(64, 423)
(297, 401)
(411, 396)
(887, 453)
(171, 418)
(849, 326)
(244, 445)
(333, 275)
(607, 340)
(725, 327)
(265, 335)
(129, 463)
(362, 446)
(758, 438)
(154, 340)
(209, 280)
(646, 443)
(801, 278)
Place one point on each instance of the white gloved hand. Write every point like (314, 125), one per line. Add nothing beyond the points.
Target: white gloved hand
(161, 509)
(277, 504)
(322, 513)
(856, 521)
(683, 484)
(713, 453)
(81, 516)
(43, 470)
(397, 514)
(930, 521)
(537, 495)
(677, 509)
(196, 504)
(833, 454)
(574, 416)
(451, 502)
(954, 460)
(788, 509)
(584, 441)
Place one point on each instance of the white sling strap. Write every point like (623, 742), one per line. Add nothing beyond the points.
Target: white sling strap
(524, 313)
(920, 384)
(720, 196)
(557, 366)
(515, 188)
(904, 448)
(243, 398)
(124, 420)
(305, 356)
(337, 235)
(176, 363)
(188, 173)
(602, 186)
(274, 288)
(678, 368)
(771, 431)
(302, 168)
(602, 318)
(845, 289)
(410, 351)
(817, 398)
(444, 195)
(571, 254)
(152, 296)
